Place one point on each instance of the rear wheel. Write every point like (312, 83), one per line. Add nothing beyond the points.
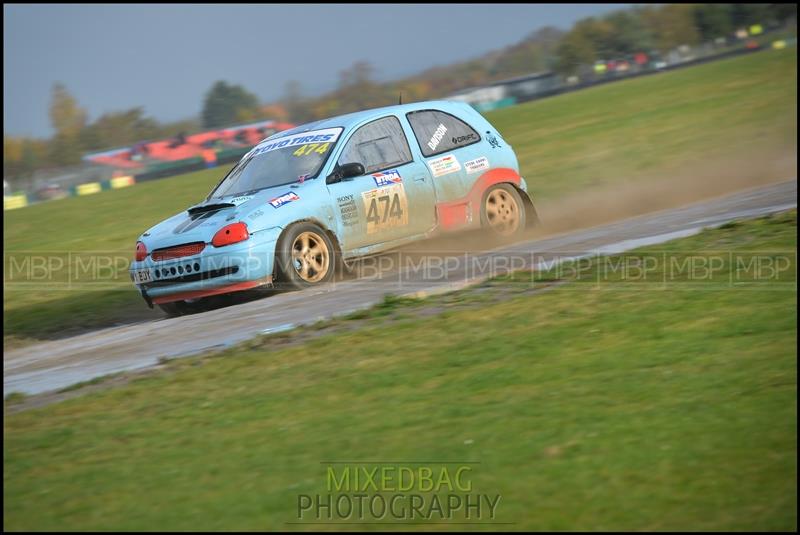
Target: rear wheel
(502, 212)
(305, 256)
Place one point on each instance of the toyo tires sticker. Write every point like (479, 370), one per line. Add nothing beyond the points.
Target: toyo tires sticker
(325, 135)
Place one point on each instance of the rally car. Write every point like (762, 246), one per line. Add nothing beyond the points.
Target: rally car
(308, 200)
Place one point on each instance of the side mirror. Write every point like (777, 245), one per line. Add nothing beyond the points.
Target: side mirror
(343, 172)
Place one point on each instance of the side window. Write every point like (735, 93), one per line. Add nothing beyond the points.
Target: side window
(439, 132)
(378, 145)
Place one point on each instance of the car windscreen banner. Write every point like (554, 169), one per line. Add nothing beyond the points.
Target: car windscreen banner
(325, 135)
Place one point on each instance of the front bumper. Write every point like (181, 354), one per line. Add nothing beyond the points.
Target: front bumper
(215, 270)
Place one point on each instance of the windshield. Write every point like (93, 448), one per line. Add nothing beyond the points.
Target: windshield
(279, 161)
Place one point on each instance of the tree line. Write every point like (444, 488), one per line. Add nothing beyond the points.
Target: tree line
(649, 29)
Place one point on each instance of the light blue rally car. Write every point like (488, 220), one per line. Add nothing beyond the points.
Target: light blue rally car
(307, 200)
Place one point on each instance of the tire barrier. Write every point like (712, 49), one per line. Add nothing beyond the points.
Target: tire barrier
(12, 202)
(122, 182)
(88, 189)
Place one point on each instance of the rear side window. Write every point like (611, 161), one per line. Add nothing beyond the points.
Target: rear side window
(378, 146)
(438, 132)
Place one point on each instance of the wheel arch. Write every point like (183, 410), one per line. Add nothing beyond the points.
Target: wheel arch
(531, 215)
(316, 221)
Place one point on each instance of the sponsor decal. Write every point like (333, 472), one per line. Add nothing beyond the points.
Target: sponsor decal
(385, 208)
(325, 135)
(240, 200)
(444, 165)
(387, 178)
(312, 148)
(441, 130)
(286, 198)
(492, 140)
(463, 139)
(478, 164)
(349, 210)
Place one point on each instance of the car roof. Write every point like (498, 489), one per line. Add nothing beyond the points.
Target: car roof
(353, 119)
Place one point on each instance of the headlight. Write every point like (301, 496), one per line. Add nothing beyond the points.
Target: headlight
(229, 234)
(141, 251)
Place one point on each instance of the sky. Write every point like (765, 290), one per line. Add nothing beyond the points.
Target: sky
(165, 57)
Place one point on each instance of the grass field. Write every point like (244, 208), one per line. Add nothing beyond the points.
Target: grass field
(656, 124)
(632, 130)
(618, 405)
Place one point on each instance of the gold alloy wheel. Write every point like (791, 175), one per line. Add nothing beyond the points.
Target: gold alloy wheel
(310, 257)
(502, 212)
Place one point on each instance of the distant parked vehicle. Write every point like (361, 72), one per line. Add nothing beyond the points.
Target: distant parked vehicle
(51, 192)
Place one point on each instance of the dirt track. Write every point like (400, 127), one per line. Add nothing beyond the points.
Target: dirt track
(53, 365)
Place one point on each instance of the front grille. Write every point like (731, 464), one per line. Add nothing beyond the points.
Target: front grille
(194, 277)
(178, 251)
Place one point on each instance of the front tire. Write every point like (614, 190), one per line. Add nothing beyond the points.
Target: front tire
(305, 256)
(503, 212)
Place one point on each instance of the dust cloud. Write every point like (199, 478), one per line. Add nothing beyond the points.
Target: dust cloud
(653, 192)
(648, 192)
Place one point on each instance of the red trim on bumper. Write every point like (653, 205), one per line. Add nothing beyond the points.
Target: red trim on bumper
(455, 214)
(239, 286)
